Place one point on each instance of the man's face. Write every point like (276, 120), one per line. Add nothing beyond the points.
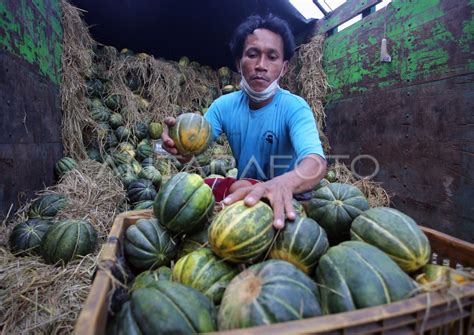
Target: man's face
(262, 59)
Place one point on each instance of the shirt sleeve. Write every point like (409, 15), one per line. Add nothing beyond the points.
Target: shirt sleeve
(213, 116)
(304, 132)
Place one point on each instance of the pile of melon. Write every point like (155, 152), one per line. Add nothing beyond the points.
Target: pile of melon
(194, 271)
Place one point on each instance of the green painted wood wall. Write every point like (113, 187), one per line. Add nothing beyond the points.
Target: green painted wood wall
(414, 116)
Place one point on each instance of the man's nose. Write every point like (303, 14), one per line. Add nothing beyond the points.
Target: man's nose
(261, 64)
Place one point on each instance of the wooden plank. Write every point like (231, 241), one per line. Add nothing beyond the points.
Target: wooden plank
(429, 41)
(422, 137)
(344, 13)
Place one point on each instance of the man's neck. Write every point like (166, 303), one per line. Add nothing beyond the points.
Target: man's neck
(258, 105)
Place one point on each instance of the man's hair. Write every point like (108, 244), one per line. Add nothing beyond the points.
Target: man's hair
(270, 22)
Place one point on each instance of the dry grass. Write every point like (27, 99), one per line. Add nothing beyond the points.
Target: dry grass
(372, 190)
(46, 299)
(39, 298)
(76, 64)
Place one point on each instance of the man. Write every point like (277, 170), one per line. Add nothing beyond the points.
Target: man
(271, 131)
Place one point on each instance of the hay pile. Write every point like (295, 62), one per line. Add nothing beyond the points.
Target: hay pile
(372, 190)
(39, 298)
(76, 64)
(47, 299)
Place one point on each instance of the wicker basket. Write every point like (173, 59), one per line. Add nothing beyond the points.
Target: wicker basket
(429, 313)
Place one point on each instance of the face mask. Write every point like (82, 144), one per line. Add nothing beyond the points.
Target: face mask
(266, 94)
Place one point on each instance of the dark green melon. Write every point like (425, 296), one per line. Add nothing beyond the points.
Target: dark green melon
(323, 182)
(94, 88)
(122, 133)
(194, 241)
(150, 173)
(110, 141)
(113, 101)
(124, 322)
(116, 120)
(100, 114)
(127, 174)
(172, 308)
(144, 151)
(94, 154)
(302, 242)
(269, 292)
(205, 272)
(334, 207)
(140, 130)
(148, 245)
(148, 278)
(396, 234)
(47, 206)
(145, 204)
(27, 236)
(184, 203)
(68, 238)
(355, 275)
(149, 161)
(64, 165)
(141, 190)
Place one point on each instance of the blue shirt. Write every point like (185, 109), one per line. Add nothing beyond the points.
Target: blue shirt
(269, 141)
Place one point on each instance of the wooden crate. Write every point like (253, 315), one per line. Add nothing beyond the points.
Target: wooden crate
(428, 313)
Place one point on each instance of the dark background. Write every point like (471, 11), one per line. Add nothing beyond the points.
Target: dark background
(170, 29)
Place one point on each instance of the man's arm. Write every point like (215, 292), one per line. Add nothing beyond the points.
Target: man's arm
(279, 190)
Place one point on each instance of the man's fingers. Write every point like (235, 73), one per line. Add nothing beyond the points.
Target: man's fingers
(239, 194)
(278, 214)
(289, 209)
(170, 121)
(254, 195)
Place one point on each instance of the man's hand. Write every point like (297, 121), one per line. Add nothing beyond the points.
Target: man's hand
(168, 143)
(279, 190)
(276, 191)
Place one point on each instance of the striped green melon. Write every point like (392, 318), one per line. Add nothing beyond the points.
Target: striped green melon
(191, 134)
(66, 239)
(155, 129)
(269, 292)
(242, 234)
(205, 272)
(126, 148)
(172, 308)
(127, 174)
(396, 234)
(302, 242)
(27, 236)
(47, 206)
(113, 101)
(298, 207)
(334, 207)
(64, 165)
(149, 278)
(184, 203)
(355, 275)
(147, 245)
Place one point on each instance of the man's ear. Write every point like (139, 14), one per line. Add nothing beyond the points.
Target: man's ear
(237, 65)
(285, 68)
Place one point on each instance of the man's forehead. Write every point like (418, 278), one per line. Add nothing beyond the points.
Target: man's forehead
(264, 38)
